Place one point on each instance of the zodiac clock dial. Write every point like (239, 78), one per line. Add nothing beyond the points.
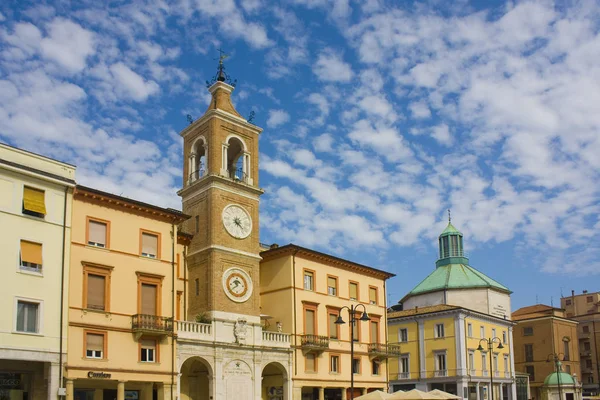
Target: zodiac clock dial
(237, 284)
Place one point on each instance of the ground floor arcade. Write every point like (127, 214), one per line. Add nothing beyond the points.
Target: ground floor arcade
(28, 375)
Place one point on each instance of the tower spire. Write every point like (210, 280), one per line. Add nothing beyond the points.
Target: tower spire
(221, 75)
(449, 217)
(451, 245)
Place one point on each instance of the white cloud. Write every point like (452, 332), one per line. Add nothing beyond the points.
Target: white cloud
(68, 44)
(2, 17)
(323, 143)
(330, 67)
(322, 104)
(277, 118)
(133, 84)
(383, 139)
(441, 133)
(419, 109)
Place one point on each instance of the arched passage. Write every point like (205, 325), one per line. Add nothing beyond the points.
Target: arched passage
(274, 381)
(196, 380)
(237, 159)
(198, 159)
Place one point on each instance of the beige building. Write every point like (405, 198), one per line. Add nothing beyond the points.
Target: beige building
(122, 303)
(35, 229)
(543, 335)
(585, 309)
(304, 292)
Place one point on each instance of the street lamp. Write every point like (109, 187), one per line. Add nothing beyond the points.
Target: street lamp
(352, 310)
(557, 358)
(490, 345)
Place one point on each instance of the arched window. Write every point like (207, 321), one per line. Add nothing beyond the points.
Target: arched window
(236, 159)
(198, 159)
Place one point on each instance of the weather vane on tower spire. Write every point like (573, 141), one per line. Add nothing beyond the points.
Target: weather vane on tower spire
(449, 217)
(221, 75)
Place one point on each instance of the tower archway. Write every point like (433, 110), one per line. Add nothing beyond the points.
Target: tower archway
(196, 379)
(274, 382)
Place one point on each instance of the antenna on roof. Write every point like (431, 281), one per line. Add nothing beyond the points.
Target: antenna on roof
(537, 300)
(449, 217)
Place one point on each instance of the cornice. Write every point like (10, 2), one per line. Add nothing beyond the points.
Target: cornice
(217, 113)
(220, 182)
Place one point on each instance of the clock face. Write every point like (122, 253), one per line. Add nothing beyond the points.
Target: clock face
(237, 284)
(237, 221)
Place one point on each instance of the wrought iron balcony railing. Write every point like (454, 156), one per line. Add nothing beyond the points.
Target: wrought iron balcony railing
(315, 342)
(151, 324)
(387, 350)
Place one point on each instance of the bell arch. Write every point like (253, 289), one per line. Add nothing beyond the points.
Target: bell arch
(198, 162)
(236, 159)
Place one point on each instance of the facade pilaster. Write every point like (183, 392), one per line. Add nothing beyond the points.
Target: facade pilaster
(422, 363)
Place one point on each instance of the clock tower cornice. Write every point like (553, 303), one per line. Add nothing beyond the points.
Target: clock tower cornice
(223, 115)
(218, 182)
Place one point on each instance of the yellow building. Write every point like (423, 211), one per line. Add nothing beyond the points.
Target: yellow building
(585, 309)
(35, 227)
(304, 292)
(441, 324)
(543, 335)
(121, 304)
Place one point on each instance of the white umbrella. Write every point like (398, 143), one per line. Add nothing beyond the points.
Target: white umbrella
(443, 395)
(414, 394)
(376, 395)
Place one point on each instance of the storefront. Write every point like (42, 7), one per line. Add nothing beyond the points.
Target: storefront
(25, 380)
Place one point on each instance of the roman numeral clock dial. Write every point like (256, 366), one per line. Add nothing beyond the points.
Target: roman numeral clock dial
(237, 221)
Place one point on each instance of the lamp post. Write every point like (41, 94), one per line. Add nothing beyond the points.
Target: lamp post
(352, 310)
(557, 358)
(490, 346)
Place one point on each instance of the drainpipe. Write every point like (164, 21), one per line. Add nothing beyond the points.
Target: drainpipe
(173, 238)
(294, 309)
(387, 363)
(62, 290)
(185, 283)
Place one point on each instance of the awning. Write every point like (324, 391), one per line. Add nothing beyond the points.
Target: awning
(33, 200)
(31, 252)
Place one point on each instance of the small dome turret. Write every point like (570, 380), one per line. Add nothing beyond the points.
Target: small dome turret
(451, 246)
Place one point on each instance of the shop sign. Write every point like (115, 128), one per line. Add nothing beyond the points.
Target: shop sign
(131, 395)
(98, 375)
(10, 381)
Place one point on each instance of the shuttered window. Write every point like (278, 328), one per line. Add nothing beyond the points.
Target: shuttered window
(309, 329)
(331, 286)
(374, 332)
(353, 291)
(355, 332)
(149, 293)
(31, 256)
(333, 327)
(97, 233)
(96, 292)
(373, 295)
(149, 245)
(94, 345)
(34, 202)
(148, 351)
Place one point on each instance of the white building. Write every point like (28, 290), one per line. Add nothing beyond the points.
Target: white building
(35, 209)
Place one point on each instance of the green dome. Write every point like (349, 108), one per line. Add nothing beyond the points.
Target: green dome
(565, 379)
(450, 229)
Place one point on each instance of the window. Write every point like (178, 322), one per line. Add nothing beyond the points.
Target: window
(484, 363)
(31, 256)
(96, 283)
(404, 366)
(493, 332)
(586, 346)
(34, 202)
(586, 329)
(372, 295)
(589, 299)
(568, 369)
(197, 224)
(528, 331)
(591, 379)
(148, 350)
(482, 332)
(197, 286)
(309, 280)
(440, 362)
(149, 299)
(439, 330)
(506, 368)
(470, 330)
(356, 366)
(566, 349)
(471, 360)
(149, 245)
(530, 371)
(588, 363)
(374, 332)
(495, 362)
(353, 291)
(94, 345)
(568, 302)
(310, 363)
(309, 322)
(331, 286)
(529, 353)
(333, 327)
(97, 233)
(403, 335)
(355, 332)
(375, 367)
(334, 364)
(27, 316)
(504, 337)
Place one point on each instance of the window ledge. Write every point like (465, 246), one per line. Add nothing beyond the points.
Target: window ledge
(94, 311)
(28, 333)
(149, 258)
(106, 249)
(32, 273)
(148, 363)
(95, 359)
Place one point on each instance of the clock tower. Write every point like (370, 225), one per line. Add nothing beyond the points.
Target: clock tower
(221, 194)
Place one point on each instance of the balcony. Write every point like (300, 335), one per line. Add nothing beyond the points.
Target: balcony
(151, 325)
(403, 375)
(187, 330)
(586, 353)
(440, 373)
(496, 374)
(381, 351)
(314, 343)
(197, 175)
(484, 372)
(507, 374)
(276, 339)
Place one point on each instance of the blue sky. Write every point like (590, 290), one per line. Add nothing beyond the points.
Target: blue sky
(378, 117)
